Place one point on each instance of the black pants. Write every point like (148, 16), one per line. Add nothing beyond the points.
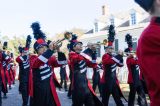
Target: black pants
(95, 84)
(42, 95)
(65, 83)
(24, 91)
(141, 95)
(0, 91)
(5, 90)
(70, 85)
(106, 92)
(82, 99)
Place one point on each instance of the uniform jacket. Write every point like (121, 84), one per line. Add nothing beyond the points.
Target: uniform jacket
(133, 68)
(148, 53)
(79, 64)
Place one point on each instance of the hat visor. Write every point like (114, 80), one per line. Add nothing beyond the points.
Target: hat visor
(41, 45)
(77, 43)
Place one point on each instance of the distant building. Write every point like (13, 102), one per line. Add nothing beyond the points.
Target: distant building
(132, 21)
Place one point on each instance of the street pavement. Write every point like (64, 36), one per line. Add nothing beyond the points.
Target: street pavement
(14, 98)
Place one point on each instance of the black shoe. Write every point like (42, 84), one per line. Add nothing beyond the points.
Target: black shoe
(69, 97)
(5, 97)
(66, 90)
(10, 87)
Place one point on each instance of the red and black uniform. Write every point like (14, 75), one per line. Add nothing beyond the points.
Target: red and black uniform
(24, 70)
(82, 92)
(1, 81)
(96, 75)
(3, 85)
(13, 72)
(70, 77)
(148, 58)
(44, 90)
(55, 80)
(110, 81)
(96, 78)
(5, 61)
(8, 74)
(134, 81)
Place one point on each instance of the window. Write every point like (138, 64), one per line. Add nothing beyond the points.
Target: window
(116, 45)
(112, 21)
(133, 18)
(96, 26)
(98, 50)
(134, 46)
(103, 10)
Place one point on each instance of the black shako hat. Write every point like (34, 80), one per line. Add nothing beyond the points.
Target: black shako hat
(145, 4)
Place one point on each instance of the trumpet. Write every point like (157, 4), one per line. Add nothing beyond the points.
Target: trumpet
(105, 42)
(67, 36)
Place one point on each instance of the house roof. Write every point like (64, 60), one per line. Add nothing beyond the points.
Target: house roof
(105, 28)
(122, 15)
(125, 24)
(89, 32)
(146, 20)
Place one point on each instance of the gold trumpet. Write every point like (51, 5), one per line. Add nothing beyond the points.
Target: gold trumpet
(67, 36)
(105, 42)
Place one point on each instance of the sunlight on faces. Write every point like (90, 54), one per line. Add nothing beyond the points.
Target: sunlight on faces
(120, 52)
(110, 50)
(78, 48)
(42, 49)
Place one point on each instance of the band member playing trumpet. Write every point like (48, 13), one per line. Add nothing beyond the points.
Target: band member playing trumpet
(110, 84)
(82, 92)
(69, 46)
(134, 78)
(96, 74)
(44, 91)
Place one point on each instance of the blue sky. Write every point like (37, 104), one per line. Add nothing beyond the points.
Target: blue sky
(54, 15)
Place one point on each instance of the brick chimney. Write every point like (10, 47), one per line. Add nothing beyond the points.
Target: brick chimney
(105, 10)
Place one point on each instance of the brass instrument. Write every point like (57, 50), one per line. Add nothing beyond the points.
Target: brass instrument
(96, 45)
(67, 36)
(129, 53)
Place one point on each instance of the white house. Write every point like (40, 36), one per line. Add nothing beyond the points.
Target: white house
(132, 21)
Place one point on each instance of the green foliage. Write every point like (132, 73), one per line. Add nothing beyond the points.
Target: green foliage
(14, 42)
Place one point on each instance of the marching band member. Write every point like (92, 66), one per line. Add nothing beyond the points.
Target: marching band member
(148, 50)
(44, 91)
(69, 63)
(5, 61)
(63, 76)
(110, 84)
(96, 75)
(134, 78)
(24, 69)
(3, 85)
(82, 92)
